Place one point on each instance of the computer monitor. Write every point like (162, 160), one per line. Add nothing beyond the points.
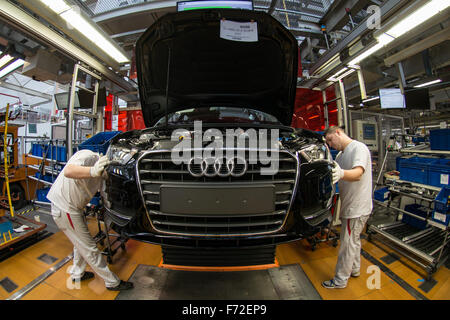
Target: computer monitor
(369, 131)
(366, 132)
(62, 101)
(83, 99)
(214, 4)
(418, 99)
(392, 98)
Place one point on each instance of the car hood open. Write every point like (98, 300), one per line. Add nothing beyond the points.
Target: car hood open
(206, 70)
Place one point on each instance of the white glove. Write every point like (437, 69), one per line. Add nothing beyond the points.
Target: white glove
(99, 166)
(338, 173)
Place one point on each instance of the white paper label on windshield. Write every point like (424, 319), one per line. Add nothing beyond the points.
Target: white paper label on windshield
(239, 31)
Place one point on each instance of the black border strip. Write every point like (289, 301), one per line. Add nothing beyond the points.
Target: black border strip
(413, 292)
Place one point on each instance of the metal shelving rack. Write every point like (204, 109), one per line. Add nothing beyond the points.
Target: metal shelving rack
(48, 169)
(429, 248)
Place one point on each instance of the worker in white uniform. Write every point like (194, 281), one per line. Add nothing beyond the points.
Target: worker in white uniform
(74, 187)
(353, 170)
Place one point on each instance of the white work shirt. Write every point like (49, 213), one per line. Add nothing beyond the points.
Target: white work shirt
(356, 196)
(72, 195)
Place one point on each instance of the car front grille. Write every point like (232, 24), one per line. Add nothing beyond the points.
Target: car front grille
(156, 171)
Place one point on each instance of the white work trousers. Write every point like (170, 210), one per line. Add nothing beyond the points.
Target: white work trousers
(84, 247)
(349, 258)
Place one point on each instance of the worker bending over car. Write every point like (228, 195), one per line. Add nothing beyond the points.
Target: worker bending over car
(74, 187)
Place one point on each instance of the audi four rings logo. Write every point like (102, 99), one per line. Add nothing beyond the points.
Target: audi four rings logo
(222, 167)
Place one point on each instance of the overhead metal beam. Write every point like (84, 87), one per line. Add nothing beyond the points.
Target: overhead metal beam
(412, 67)
(306, 30)
(129, 33)
(27, 91)
(303, 12)
(331, 55)
(41, 103)
(32, 26)
(336, 17)
(37, 7)
(272, 6)
(145, 7)
(418, 47)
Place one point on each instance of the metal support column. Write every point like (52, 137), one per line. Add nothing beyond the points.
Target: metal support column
(338, 106)
(362, 85)
(344, 106)
(95, 115)
(325, 109)
(401, 77)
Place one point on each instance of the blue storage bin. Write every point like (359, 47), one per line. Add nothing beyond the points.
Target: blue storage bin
(39, 175)
(95, 201)
(441, 203)
(413, 221)
(382, 194)
(397, 163)
(49, 178)
(34, 149)
(440, 139)
(441, 218)
(415, 169)
(61, 154)
(41, 194)
(99, 143)
(53, 154)
(38, 150)
(439, 173)
(5, 226)
(419, 139)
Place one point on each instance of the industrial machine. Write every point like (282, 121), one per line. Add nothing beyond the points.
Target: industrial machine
(366, 132)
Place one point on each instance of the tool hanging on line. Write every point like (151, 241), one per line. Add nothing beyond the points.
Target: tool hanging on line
(324, 31)
(350, 17)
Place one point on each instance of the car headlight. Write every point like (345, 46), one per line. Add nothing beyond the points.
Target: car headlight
(119, 155)
(314, 153)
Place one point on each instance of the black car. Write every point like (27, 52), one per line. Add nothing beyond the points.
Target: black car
(219, 206)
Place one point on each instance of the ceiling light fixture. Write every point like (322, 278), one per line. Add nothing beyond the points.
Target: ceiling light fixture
(366, 54)
(4, 60)
(349, 72)
(428, 83)
(75, 19)
(371, 99)
(11, 67)
(419, 16)
(333, 77)
(341, 74)
(58, 6)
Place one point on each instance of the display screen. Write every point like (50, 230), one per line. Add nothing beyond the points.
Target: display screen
(83, 99)
(369, 131)
(32, 128)
(214, 4)
(417, 99)
(392, 99)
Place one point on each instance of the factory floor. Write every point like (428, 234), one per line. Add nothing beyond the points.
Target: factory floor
(24, 267)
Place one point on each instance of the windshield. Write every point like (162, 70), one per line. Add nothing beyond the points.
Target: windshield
(219, 115)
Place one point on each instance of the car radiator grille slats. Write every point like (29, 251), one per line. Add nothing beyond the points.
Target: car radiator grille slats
(156, 169)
